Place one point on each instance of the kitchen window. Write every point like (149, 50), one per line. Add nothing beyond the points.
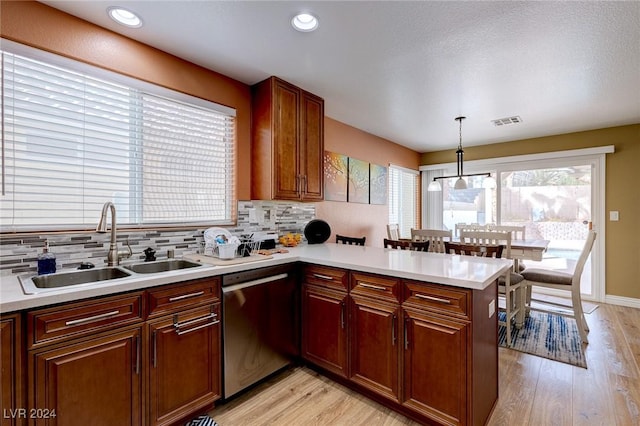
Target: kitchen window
(403, 199)
(75, 137)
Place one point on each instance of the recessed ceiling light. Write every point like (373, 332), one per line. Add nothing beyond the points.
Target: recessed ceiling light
(124, 17)
(305, 22)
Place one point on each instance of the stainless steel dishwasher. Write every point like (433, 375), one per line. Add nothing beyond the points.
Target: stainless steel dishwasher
(260, 309)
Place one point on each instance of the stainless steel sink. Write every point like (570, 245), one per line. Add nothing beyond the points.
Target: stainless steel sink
(161, 266)
(39, 283)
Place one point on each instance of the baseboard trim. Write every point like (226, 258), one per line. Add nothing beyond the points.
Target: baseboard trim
(622, 301)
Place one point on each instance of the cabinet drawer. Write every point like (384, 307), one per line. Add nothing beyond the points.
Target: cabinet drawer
(435, 297)
(173, 297)
(375, 286)
(327, 277)
(49, 325)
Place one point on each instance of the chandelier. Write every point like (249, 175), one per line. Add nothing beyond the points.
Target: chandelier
(489, 182)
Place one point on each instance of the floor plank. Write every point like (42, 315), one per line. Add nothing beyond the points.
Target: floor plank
(532, 390)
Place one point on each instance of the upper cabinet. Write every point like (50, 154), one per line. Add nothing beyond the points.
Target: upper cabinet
(287, 142)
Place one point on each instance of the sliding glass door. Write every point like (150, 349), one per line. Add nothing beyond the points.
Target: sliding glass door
(555, 204)
(556, 199)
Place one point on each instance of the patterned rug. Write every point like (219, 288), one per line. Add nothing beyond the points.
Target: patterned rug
(546, 335)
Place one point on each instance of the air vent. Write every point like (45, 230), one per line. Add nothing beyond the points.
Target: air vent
(506, 121)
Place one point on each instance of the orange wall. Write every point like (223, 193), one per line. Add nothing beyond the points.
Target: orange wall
(621, 193)
(355, 219)
(45, 28)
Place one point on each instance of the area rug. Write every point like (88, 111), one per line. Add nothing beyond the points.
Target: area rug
(203, 420)
(548, 336)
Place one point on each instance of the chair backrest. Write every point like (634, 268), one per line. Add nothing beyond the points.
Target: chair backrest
(517, 232)
(406, 245)
(588, 245)
(350, 240)
(469, 227)
(480, 250)
(436, 238)
(393, 231)
(488, 237)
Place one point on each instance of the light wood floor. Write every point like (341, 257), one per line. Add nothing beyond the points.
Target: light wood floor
(533, 391)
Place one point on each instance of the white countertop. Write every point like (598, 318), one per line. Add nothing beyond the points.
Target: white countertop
(459, 271)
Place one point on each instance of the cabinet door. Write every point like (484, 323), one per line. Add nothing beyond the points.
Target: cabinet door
(184, 366)
(375, 346)
(94, 382)
(435, 366)
(324, 328)
(286, 130)
(11, 374)
(312, 147)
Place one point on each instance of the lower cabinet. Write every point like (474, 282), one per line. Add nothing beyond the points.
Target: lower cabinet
(184, 360)
(11, 397)
(141, 358)
(435, 366)
(375, 345)
(420, 348)
(324, 332)
(91, 382)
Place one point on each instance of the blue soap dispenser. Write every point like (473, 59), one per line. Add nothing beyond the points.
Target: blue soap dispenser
(46, 261)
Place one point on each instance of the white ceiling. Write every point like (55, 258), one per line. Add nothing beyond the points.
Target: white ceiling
(403, 70)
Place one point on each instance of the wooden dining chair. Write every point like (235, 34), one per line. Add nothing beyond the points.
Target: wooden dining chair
(436, 238)
(510, 286)
(563, 280)
(479, 250)
(393, 231)
(350, 240)
(406, 245)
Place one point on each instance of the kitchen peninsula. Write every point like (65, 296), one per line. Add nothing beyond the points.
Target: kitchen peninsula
(414, 331)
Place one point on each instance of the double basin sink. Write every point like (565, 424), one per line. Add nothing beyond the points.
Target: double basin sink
(40, 283)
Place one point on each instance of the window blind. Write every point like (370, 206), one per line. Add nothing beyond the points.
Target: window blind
(72, 141)
(403, 199)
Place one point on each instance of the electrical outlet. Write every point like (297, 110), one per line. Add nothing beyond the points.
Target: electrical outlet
(614, 216)
(492, 308)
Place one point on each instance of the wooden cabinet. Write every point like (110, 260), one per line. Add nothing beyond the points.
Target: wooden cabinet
(325, 318)
(287, 142)
(426, 350)
(450, 352)
(97, 381)
(435, 366)
(184, 351)
(375, 338)
(85, 362)
(11, 367)
(184, 363)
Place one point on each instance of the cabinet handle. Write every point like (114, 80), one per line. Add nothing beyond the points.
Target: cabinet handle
(342, 314)
(373, 287)
(209, 324)
(323, 277)
(137, 354)
(186, 296)
(304, 187)
(92, 318)
(155, 350)
(177, 324)
(433, 299)
(393, 330)
(406, 334)
(299, 185)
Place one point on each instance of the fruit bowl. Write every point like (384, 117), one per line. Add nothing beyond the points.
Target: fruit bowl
(290, 239)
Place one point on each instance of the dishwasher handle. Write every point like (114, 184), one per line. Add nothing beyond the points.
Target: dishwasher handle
(252, 283)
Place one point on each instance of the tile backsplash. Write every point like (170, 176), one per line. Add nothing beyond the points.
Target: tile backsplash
(19, 254)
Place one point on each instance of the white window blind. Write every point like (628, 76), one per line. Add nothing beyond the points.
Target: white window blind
(72, 141)
(403, 199)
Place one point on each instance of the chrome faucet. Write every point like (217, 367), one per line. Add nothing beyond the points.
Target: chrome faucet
(114, 256)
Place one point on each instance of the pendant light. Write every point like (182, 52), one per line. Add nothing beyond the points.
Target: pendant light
(460, 182)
